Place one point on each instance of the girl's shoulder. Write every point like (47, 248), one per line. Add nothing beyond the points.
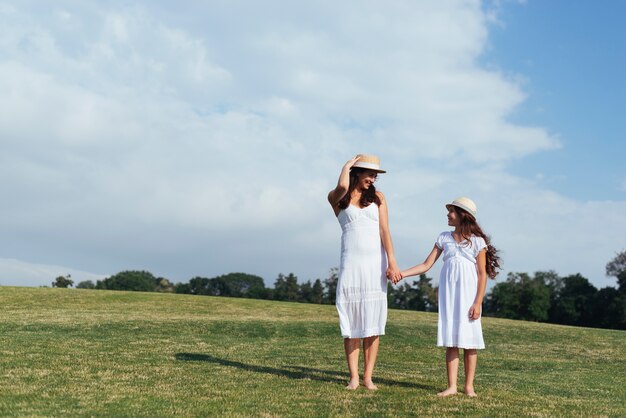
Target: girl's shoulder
(478, 242)
(445, 236)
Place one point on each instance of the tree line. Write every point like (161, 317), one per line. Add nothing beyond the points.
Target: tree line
(542, 297)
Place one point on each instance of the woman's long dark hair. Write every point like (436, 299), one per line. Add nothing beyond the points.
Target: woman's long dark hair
(367, 197)
(468, 227)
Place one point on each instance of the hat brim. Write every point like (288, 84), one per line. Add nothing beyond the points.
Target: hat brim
(465, 208)
(369, 166)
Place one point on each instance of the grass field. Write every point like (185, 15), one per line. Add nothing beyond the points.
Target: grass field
(103, 353)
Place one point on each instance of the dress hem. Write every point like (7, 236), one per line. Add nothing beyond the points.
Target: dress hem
(364, 335)
(459, 346)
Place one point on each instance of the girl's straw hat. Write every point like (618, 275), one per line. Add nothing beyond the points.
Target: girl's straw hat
(370, 162)
(464, 203)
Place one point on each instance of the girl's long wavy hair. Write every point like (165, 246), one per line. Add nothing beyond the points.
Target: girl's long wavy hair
(367, 197)
(468, 226)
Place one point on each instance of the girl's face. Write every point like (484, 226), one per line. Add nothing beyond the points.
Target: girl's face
(453, 218)
(366, 179)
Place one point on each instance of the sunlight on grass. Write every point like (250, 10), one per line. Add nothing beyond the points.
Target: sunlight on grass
(87, 352)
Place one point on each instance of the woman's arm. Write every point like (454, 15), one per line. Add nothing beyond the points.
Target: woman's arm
(425, 266)
(481, 266)
(343, 184)
(393, 272)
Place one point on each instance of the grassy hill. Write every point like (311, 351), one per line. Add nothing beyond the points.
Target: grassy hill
(86, 352)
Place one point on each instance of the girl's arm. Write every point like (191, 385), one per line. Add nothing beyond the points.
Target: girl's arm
(343, 184)
(393, 272)
(481, 266)
(425, 266)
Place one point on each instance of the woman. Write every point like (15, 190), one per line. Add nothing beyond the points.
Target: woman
(367, 260)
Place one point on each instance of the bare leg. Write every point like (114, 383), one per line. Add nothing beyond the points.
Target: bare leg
(351, 346)
(370, 349)
(452, 366)
(470, 359)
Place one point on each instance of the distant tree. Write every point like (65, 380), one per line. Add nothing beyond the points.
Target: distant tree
(142, 281)
(280, 286)
(306, 292)
(520, 297)
(292, 287)
(418, 295)
(317, 294)
(331, 285)
(63, 281)
(86, 284)
(617, 265)
(286, 288)
(196, 286)
(574, 304)
(240, 285)
(609, 309)
(184, 288)
(401, 296)
(428, 297)
(503, 301)
(621, 283)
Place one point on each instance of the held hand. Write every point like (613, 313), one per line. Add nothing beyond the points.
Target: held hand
(474, 312)
(398, 278)
(393, 273)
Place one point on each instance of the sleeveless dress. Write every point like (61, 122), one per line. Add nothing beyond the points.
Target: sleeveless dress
(362, 285)
(458, 283)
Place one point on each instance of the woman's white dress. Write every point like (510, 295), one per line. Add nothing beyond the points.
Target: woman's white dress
(362, 285)
(458, 283)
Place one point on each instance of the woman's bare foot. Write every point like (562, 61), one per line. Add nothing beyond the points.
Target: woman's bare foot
(447, 392)
(354, 384)
(470, 392)
(369, 384)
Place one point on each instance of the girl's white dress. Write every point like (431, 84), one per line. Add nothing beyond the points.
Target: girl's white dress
(362, 285)
(458, 283)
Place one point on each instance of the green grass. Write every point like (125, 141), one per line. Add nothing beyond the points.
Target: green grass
(102, 353)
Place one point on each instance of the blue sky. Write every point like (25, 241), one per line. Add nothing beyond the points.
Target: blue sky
(572, 56)
(198, 139)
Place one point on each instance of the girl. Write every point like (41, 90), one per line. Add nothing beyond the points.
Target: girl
(468, 259)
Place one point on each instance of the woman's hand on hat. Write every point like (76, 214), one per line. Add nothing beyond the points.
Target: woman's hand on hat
(352, 161)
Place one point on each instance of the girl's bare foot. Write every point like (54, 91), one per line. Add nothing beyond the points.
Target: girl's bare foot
(470, 392)
(447, 392)
(369, 384)
(354, 383)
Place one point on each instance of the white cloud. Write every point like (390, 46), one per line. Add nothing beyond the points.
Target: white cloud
(135, 141)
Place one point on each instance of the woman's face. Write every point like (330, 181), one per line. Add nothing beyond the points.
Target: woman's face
(367, 178)
(453, 217)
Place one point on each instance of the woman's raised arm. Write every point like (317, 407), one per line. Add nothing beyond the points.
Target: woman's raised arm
(343, 184)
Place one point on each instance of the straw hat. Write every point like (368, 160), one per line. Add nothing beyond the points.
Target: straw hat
(464, 203)
(370, 162)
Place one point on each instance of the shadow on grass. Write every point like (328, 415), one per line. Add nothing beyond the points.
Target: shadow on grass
(294, 372)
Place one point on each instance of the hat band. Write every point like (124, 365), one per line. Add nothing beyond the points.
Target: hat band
(367, 165)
